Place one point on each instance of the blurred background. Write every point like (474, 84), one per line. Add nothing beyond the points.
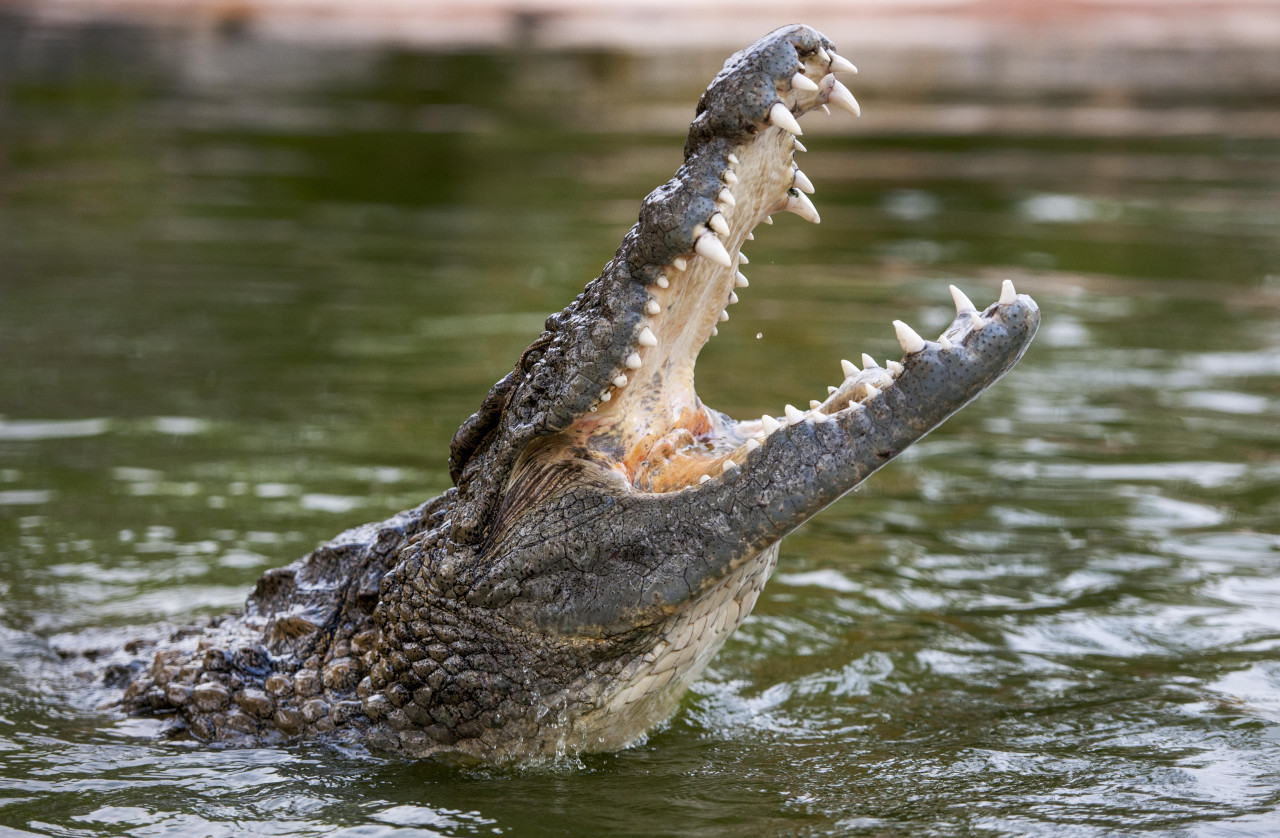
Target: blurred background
(258, 261)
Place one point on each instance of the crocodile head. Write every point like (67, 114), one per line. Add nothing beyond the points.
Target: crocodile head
(609, 530)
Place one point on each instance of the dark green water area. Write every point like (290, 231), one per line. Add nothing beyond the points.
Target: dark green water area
(248, 291)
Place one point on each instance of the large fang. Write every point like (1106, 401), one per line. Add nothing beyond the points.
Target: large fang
(868, 362)
(907, 336)
(841, 96)
(802, 82)
(799, 203)
(709, 247)
(1007, 293)
(849, 369)
(840, 64)
(716, 222)
(780, 116)
(802, 182)
(963, 303)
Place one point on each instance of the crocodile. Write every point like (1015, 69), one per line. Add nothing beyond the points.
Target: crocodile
(606, 531)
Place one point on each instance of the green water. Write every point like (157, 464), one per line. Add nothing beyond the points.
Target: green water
(248, 293)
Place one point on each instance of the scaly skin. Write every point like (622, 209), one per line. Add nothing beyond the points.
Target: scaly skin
(607, 531)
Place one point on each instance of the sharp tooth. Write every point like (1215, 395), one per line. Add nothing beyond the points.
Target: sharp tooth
(848, 369)
(911, 342)
(708, 246)
(799, 203)
(976, 320)
(726, 197)
(841, 96)
(818, 416)
(733, 297)
(869, 363)
(768, 424)
(729, 177)
(605, 396)
(663, 282)
(740, 280)
(724, 315)
(633, 361)
(872, 392)
(945, 343)
(963, 303)
(802, 82)
(831, 389)
(704, 478)
(680, 263)
(619, 380)
(840, 64)
(826, 110)
(1007, 294)
(793, 414)
(799, 145)
(652, 307)
(751, 236)
(714, 331)
(895, 369)
(803, 183)
(814, 404)
(716, 222)
(647, 338)
(824, 56)
(768, 219)
(780, 116)
(732, 158)
(752, 444)
(729, 465)
(742, 258)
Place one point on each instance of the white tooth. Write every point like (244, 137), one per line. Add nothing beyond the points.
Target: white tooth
(752, 444)
(826, 110)
(848, 369)
(911, 342)
(768, 219)
(619, 380)
(895, 369)
(724, 315)
(868, 363)
(732, 158)
(751, 236)
(733, 297)
(742, 258)
(740, 280)
(840, 64)
(709, 247)
(945, 343)
(780, 116)
(814, 404)
(714, 331)
(729, 465)
(768, 424)
(818, 416)
(799, 145)
(793, 414)
(729, 177)
(831, 389)
(802, 82)
(680, 263)
(633, 361)
(647, 338)
(716, 222)
(652, 307)
(663, 282)
(976, 320)
(605, 396)
(1007, 294)
(872, 392)
(726, 197)
(803, 183)
(704, 478)
(799, 203)
(841, 96)
(963, 303)
(824, 56)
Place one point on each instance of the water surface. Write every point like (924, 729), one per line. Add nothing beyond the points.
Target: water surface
(248, 293)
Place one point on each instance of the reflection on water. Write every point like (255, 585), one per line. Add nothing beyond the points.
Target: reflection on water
(239, 317)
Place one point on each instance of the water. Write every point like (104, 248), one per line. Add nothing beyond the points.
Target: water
(249, 293)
